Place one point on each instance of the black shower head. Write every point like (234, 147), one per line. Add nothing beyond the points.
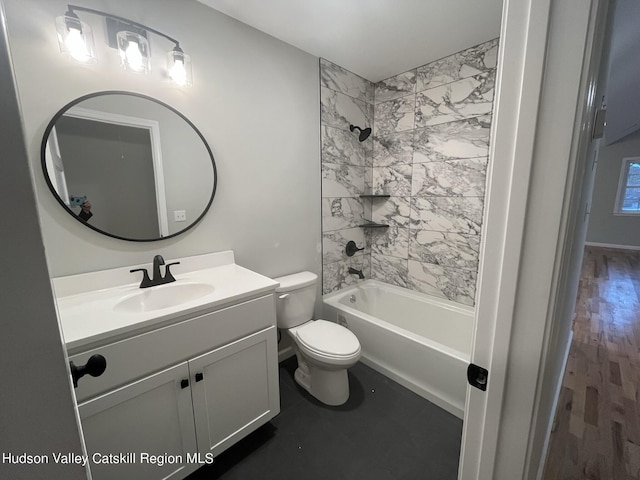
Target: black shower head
(364, 134)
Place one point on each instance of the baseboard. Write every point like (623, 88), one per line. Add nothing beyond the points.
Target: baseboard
(285, 353)
(612, 245)
(543, 459)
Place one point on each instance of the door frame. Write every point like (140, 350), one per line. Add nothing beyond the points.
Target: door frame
(531, 182)
(153, 127)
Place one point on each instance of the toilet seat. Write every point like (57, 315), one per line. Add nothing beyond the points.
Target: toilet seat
(328, 341)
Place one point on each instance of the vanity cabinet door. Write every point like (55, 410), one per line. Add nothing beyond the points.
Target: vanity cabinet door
(152, 416)
(235, 390)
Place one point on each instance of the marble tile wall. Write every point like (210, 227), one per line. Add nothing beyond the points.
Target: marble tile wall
(347, 173)
(429, 152)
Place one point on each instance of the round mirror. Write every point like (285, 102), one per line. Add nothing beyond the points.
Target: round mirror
(128, 166)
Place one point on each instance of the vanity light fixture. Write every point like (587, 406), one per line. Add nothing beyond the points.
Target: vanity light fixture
(179, 64)
(134, 51)
(75, 38)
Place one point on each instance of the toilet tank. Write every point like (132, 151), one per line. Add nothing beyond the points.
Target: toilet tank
(295, 299)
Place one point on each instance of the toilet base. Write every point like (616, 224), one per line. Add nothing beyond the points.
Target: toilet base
(331, 387)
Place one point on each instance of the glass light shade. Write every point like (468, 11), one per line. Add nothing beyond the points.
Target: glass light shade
(134, 51)
(179, 65)
(75, 39)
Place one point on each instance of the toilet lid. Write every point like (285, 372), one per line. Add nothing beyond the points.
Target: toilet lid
(328, 338)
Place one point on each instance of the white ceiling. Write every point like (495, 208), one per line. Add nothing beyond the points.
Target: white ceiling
(375, 39)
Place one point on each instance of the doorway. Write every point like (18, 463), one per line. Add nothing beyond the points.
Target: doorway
(595, 428)
(596, 431)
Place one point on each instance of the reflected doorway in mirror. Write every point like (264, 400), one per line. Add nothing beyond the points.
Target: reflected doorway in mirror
(136, 159)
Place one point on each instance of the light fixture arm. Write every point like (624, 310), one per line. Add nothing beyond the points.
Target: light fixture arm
(72, 14)
(123, 20)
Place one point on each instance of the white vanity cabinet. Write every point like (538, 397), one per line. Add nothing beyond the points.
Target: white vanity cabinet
(192, 387)
(235, 390)
(151, 416)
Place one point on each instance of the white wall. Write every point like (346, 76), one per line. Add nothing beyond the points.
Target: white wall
(255, 99)
(617, 69)
(623, 102)
(604, 226)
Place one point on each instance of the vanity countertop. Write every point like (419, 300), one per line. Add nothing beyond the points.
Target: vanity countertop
(88, 303)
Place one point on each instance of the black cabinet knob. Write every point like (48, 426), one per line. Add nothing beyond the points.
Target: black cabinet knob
(184, 383)
(95, 366)
(199, 377)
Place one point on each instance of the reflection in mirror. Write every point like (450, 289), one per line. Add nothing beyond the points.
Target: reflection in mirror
(128, 166)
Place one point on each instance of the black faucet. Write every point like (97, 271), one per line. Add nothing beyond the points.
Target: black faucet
(357, 272)
(157, 279)
(157, 261)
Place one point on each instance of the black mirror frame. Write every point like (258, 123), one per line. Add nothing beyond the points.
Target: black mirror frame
(63, 110)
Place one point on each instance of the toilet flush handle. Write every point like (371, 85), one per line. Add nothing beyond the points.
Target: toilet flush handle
(284, 296)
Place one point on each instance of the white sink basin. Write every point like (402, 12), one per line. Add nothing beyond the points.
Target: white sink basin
(98, 307)
(163, 296)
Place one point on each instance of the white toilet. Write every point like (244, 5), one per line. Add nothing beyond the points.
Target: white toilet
(324, 349)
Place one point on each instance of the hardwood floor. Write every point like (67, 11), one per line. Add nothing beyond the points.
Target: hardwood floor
(596, 431)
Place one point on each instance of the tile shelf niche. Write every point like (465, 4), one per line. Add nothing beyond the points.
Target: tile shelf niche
(374, 196)
(373, 225)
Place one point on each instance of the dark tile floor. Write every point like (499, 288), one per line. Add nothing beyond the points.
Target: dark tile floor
(384, 431)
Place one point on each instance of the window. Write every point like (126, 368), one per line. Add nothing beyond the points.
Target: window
(628, 197)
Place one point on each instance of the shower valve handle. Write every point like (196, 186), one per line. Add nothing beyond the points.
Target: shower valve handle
(352, 248)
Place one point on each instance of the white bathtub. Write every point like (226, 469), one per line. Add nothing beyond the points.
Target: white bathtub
(420, 341)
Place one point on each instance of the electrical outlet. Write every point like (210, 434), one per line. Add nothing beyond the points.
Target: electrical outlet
(180, 215)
